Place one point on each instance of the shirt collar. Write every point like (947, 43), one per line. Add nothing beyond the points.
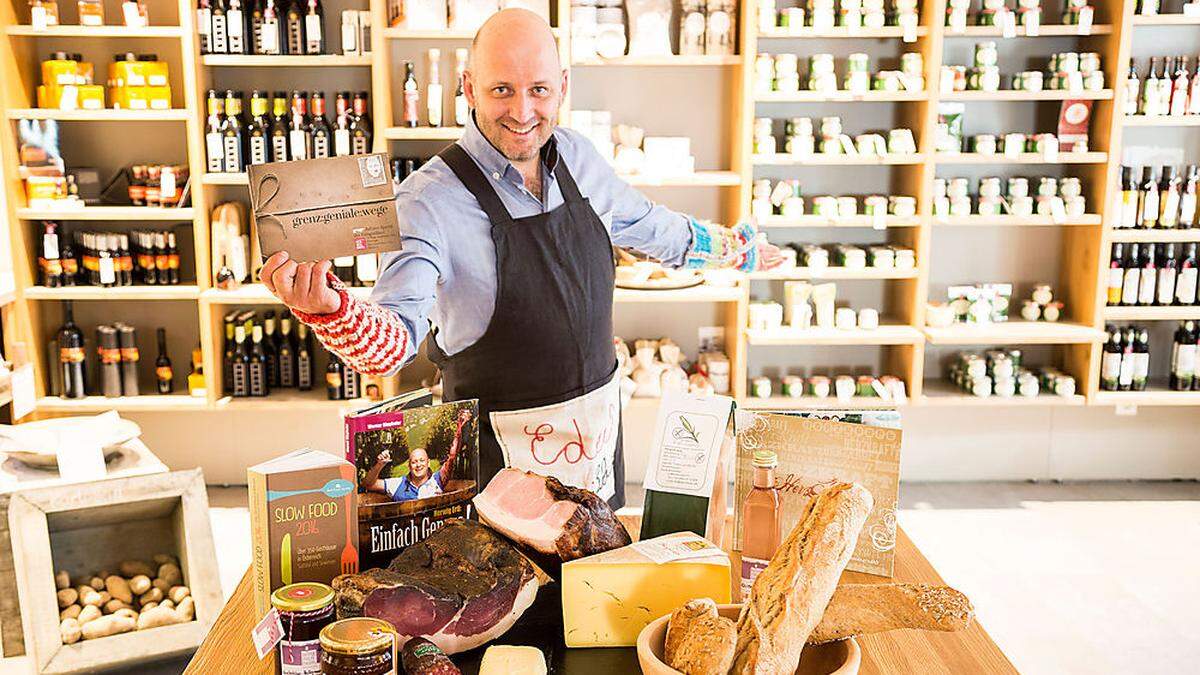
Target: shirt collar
(492, 161)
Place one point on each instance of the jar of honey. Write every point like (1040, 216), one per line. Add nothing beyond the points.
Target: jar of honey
(358, 646)
(304, 610)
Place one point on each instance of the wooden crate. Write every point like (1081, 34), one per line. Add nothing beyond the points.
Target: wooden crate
(88, 527)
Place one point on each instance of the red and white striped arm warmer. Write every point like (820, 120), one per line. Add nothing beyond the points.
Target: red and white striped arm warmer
(370, 339)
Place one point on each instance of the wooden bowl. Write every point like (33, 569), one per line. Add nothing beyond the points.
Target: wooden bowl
(834, 658)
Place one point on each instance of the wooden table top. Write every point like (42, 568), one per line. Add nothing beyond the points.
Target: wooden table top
(228, 648)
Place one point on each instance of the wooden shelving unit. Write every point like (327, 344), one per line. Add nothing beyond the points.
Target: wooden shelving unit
(1085, 241)
(942, 393)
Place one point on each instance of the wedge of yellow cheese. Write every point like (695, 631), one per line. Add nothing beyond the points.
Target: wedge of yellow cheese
(609, 598)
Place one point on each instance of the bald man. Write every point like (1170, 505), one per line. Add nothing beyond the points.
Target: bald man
(508, 238)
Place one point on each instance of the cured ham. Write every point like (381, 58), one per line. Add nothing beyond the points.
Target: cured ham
(549, 517)
(462, 586)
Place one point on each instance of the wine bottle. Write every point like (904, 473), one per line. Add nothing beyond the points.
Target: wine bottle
(241, 363)
(1116, 273)
(294, 27)
(196, 381)
(254, 23)
(1168, 198)
(1168, 271)
(229, 355)
(314, 28)
(1185, 282)
(322, 134)
(333, 378)
(162, 259)
(761, 528)
(341, 124)
(163, 374)
(1179, 88)
(1129, 289)
(433, 90)
(299, 140)
(214, 145)
(1132, 89)
(1187, 199)
(204, 25)
(1183, 357)
(258, 131)
(279, 128)
(350, 383)
(461, 110)
(71, 356)
(412, 95)
(235, 26)
(257, 367)
(360, 126)
(220, 33)
(1149, 103)
(268, 348)
(1141, 360)
(270, 34)
(287, 353)
(1110, 365)
(1148, 199)
(66, 256)
(49, 262)
(304, 358)
(1125, 381)
(231, 134)
(124, 260)
(1129, 199)
(1148, 277)
(130, 357)
(110, 361)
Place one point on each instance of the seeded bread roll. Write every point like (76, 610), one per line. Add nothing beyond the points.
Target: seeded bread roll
(861, 609)
(790, 595)
(699, 641)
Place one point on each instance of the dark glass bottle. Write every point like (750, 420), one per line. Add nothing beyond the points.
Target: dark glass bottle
(235, 26)
(229, 355)
(163, 374)
(268, 348)
(299, 139)
(1148, 200)
(214, 145)
(314, 28)
(333, 378)
(1168, 272)
(258, 131)
(1141, 359)
(287, 353)
(71, 356)
(51, 263)
(412, 95)
(220, 32)
(204, 25)
(341, 124)
(241, 363)
(350, 383)
(124, 260)
(1116, 274)
(260, 382)
(231, 134)
(1125, 383)
(293, 27)
(304, 358)
(279, 128)
(1183, 357)
(320, 131)
(1148, 276)
(360, 126)
(1185, 281)
(66, 255)
(270, 34)
(1110, 364)
(162, 259)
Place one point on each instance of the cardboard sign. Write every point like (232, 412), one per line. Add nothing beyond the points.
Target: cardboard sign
(818, 449)
(319, 209)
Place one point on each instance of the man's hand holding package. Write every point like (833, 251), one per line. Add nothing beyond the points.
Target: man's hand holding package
(300, 286)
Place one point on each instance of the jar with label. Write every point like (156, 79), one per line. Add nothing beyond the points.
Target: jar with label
(718, 29)
(358, 646)
(1018, 187)
(304, 610)
(760, 387)
(818, 386)
(1047, 186)
(761, 527)
(983, 144)
(793, 386)
(985, 54)
(43, 13)
(691, 28)
(91, 13)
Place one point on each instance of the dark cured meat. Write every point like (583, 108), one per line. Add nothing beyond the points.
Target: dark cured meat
(593, 528)
(462, 586)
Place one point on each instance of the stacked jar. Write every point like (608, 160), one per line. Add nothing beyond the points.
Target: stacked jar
(1059, 198)
(1075, 71)
(997, 372)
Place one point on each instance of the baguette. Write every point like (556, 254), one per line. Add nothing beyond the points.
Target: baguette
(860, 609)
(790, 595)
(699, 641)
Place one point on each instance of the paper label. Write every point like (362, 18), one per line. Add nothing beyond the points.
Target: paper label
(234, 23)
(1033, 23)
(108, 274)
(167, 187)
(300, 657)
(80, 457)
(37, 18)
(908, 27)
(1008, 24)
(341, 142)
(267, 633)
(676, 547)
(687, 444)
(269, 37)
(133, 17)
(1084, 24)
(751, 568)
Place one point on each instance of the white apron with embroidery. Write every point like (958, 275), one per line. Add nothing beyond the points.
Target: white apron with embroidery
(575, 441)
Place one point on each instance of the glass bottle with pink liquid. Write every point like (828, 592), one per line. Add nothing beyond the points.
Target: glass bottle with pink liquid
(760, 520)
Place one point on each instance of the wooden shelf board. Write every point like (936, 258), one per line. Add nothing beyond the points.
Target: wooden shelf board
(813, 403)
(838, 32)
(657, 61)
(392, 33)
(257, 294)
(108, 213)
(1161, 120)
(1154, 396)
(1044, 95)
(1048, 30)
(146, 403)
(697, 179)
(839, 96)
(224, 179)
(1154, 235)
(884, 335)
(829, 159)
(422, 133)
(97, 31)
(701, 293)
(180, 292)
(105, 115)
(284, 60)
(290, 399)
(1014, 333)
(1013, 221)
(825, 221)
(942, 393)
(805, 273)
(1174, 19)
(1023, 158)
(1169, 313)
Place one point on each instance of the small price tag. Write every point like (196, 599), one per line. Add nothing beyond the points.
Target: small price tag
(1058, 211)
(1084, 27)
(958, 21)
(108, 273)
(267, 633)
(80, 457)
(1033, 22)
(1008, 24)
(1051, 153)
(1125, 410)
(878, 221)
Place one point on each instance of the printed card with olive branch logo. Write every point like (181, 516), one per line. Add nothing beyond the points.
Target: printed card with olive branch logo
(686, 451)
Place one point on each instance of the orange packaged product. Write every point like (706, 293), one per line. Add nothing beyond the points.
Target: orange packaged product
(158, 98)
(153, 70)
(125, 71)
(60, 70)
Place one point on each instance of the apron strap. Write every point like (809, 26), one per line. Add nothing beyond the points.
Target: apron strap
(566, 182)
(476, 183)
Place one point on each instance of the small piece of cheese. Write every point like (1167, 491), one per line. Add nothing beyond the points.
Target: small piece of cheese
(510, 660)
(608, 598)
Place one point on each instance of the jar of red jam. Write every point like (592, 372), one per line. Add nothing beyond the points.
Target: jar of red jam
(304, 610)
(358, 646)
